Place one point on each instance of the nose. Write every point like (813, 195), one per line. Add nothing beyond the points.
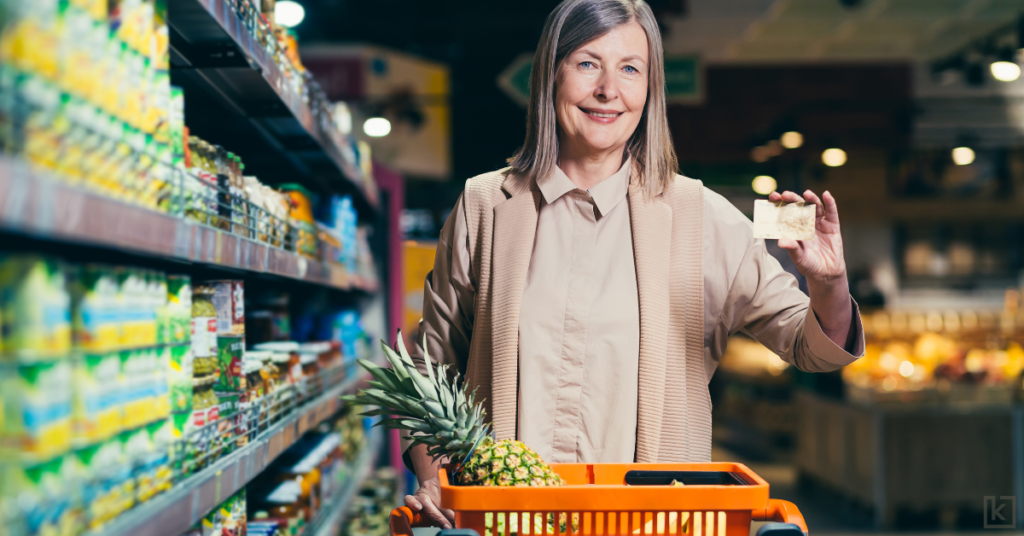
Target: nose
(607, 88)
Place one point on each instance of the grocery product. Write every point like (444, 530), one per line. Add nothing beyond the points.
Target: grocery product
(229, 301)
(180, 377)
(301, 217)
(204, 331)
(96, 406)
(228, 519)
(36, 400)
(446, 419)
(35, 308)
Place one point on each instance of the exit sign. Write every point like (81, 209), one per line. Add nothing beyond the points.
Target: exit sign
(684, 79)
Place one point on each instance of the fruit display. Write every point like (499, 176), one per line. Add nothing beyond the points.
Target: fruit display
(933, 354)
(441, 415)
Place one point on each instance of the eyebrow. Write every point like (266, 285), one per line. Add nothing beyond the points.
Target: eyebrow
(631, 57)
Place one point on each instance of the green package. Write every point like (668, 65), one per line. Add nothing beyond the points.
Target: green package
(179, 378)
(229, 357)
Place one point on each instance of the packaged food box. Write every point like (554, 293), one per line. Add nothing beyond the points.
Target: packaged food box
(35, 308)
(229, 363)
(179, 378)
(41, 489)
(229, 301)
(136, 299)
(179, 308)
(96, 407)
(108, 487)
(229, 419)
(36, 399)
(95, 309)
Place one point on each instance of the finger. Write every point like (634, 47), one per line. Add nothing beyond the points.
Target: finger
(434, 514)
(450, 514)
(812, 198)
(775, 197)
(790, 197)
(831, 208)
(789, 244)
(412, 503)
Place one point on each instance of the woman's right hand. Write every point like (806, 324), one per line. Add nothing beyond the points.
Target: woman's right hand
(427, 501)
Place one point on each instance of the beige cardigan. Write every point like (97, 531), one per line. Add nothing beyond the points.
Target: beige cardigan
(674, 408)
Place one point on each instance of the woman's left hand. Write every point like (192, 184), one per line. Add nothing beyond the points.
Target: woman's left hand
(819, 260)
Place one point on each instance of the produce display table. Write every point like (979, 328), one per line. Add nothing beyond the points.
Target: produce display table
(913, 457)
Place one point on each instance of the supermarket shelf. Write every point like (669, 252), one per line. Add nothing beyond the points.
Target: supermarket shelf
(172, 513)
(39, 205)
(213, 51)
(331, 516)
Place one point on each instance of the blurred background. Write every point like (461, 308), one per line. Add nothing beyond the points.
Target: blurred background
(210, 208)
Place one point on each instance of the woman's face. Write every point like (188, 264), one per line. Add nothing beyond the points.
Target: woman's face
(601, 91)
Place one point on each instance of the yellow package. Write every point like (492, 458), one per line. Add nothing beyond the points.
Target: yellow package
(37, 405)
(36, 308)
(96, 405)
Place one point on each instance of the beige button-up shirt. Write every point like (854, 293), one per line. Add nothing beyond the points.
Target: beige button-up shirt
(579, 326)
(579, 321)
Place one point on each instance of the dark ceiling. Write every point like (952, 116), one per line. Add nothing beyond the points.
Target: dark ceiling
(856, 105)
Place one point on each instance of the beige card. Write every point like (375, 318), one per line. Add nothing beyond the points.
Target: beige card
(783, 220)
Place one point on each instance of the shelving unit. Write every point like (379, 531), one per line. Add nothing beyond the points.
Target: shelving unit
(221, 65)
(331, 516)
(174, 512)
(41, 206)
(237, 95)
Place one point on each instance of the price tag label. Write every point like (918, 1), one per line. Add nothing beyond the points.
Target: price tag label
(183, 239)
(17, 193)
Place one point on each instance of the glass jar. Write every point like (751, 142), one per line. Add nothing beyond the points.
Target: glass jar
(204, 331)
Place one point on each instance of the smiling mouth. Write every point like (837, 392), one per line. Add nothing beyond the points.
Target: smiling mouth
(602, 115)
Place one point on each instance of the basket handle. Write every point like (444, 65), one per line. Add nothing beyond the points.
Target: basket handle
(403, 519)
(781, 511)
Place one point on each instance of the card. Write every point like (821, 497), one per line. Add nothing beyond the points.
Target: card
(784, 220)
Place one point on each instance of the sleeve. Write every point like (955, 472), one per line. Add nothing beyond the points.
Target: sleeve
(765, 302)
(449, 294)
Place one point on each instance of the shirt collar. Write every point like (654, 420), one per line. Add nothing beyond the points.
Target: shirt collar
(606, 194)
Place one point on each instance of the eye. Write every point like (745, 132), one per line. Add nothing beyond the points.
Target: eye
(631, 70)
(586, 64)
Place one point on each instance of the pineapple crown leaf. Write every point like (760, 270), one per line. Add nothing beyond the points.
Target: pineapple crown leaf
(431, 404)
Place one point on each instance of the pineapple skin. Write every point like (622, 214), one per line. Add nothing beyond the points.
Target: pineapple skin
(507, 463)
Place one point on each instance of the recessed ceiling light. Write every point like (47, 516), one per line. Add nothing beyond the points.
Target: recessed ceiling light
(833, 157)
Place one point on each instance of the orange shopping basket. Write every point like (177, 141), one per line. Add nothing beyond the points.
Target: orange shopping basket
(716, 499)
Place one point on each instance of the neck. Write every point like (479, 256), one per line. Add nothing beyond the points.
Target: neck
(587, 168)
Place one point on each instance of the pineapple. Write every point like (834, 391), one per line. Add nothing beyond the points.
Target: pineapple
(442, 416)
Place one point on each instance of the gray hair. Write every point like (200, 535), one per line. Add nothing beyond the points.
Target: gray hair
(571, 25)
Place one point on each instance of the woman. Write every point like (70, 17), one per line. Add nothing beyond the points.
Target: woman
(587, 291)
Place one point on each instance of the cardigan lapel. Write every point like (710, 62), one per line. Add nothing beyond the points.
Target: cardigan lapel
(515, 226)
(651, 224)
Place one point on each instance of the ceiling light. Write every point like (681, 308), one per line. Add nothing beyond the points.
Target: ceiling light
(833, 157)
(288, 14)
(377, 127)
(963, 156)
(763, 184)
(1005, 71)
(792, 140)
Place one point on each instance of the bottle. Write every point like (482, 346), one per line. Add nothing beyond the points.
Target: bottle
(223, 174)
